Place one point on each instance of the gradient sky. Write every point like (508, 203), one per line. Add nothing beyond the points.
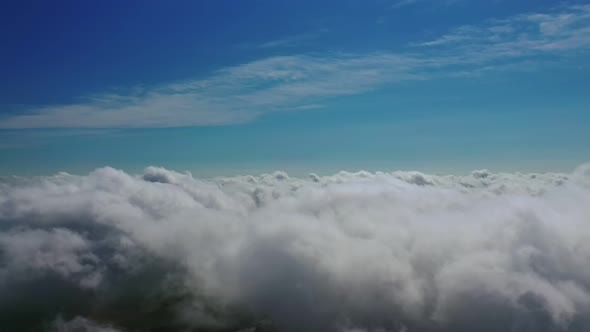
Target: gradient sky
(225, 87)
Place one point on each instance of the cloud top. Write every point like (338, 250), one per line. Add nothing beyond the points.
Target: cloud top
(401, 251)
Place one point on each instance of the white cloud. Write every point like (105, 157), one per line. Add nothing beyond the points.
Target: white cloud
(528, 34)
(231, 95)
(244, 92)
(59, 251)
(397, 251)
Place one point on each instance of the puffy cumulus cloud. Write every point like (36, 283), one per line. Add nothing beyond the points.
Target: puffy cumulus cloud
(401, 251)
(59, 251)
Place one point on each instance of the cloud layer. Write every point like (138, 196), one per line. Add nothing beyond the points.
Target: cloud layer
(244, 92)
(401, 251)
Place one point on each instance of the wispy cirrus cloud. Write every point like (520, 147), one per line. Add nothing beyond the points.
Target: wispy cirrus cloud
(244, 92)
(231, 95)
(566, 28)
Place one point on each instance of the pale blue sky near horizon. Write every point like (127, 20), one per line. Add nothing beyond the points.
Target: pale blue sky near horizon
(237, 87)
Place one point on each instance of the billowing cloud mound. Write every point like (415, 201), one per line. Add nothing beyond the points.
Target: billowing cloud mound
(401, 251)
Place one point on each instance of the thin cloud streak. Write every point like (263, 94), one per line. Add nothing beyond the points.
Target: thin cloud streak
(240, 94)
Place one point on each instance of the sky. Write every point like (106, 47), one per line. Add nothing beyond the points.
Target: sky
(236, 87)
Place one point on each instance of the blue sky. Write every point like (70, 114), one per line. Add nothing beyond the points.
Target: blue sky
(224, 87)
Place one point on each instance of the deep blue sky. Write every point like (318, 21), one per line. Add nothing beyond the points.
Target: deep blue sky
(223, 87)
